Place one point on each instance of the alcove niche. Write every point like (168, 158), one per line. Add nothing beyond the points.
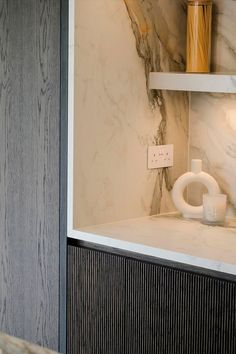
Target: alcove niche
(114, 116)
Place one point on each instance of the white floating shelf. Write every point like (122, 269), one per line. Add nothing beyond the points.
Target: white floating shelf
(222, 83)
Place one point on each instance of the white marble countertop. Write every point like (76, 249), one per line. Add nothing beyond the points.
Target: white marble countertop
(13, 345)
(172, 238)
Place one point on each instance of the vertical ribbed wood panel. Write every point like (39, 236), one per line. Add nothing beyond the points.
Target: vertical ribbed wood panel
(124, 306)
(95, 303)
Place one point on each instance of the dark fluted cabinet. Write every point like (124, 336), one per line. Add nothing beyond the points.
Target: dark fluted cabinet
(121, 305)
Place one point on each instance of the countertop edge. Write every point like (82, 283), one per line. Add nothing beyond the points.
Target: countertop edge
(161, 254)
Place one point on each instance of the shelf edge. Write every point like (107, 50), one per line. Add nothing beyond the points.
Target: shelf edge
(218, 83)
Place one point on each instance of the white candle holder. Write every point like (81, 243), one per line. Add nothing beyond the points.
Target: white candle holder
(195, 175)
(214, 209)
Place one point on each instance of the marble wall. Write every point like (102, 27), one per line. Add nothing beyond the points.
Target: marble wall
(116, 117)
(213, 116)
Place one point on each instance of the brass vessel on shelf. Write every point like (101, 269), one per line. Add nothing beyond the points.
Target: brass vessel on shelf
(199, 21)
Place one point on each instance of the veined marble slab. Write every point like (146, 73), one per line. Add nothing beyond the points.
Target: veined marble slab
(116, 44)
(13, 345)
(170, 237)
(213, 116)
(213, 139)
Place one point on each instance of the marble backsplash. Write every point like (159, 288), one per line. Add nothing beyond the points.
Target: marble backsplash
(116, 117)
(117, 43)
(213, 116)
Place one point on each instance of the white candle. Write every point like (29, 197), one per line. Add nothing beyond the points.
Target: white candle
(214, 208)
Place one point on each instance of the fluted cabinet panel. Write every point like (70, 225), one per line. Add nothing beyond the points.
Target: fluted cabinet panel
(95, 303)
(126, 306)
(29, 169)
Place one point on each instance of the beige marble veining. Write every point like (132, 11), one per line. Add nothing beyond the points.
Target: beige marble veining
(213, 116)
(13, 345)
(116, 117)
(114, 120)
(223, 36)
(213, 136)
(157, 28)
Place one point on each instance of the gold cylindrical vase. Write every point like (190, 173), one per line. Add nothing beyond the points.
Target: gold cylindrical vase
(199, 20)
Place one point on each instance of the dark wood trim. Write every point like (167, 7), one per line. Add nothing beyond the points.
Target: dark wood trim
(64, 31)
(153, 260)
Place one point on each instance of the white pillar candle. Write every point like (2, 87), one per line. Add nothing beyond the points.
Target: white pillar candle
(196, 165)
(214, 208)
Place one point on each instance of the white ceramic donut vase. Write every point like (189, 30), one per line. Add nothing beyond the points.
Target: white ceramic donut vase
(196, 175)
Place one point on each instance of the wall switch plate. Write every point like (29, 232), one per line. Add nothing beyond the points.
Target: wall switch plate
(160, 156)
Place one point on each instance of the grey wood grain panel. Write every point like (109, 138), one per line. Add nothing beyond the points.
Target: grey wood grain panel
(64, 33)
(161, 309)
(5, 88)
(29, 169)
